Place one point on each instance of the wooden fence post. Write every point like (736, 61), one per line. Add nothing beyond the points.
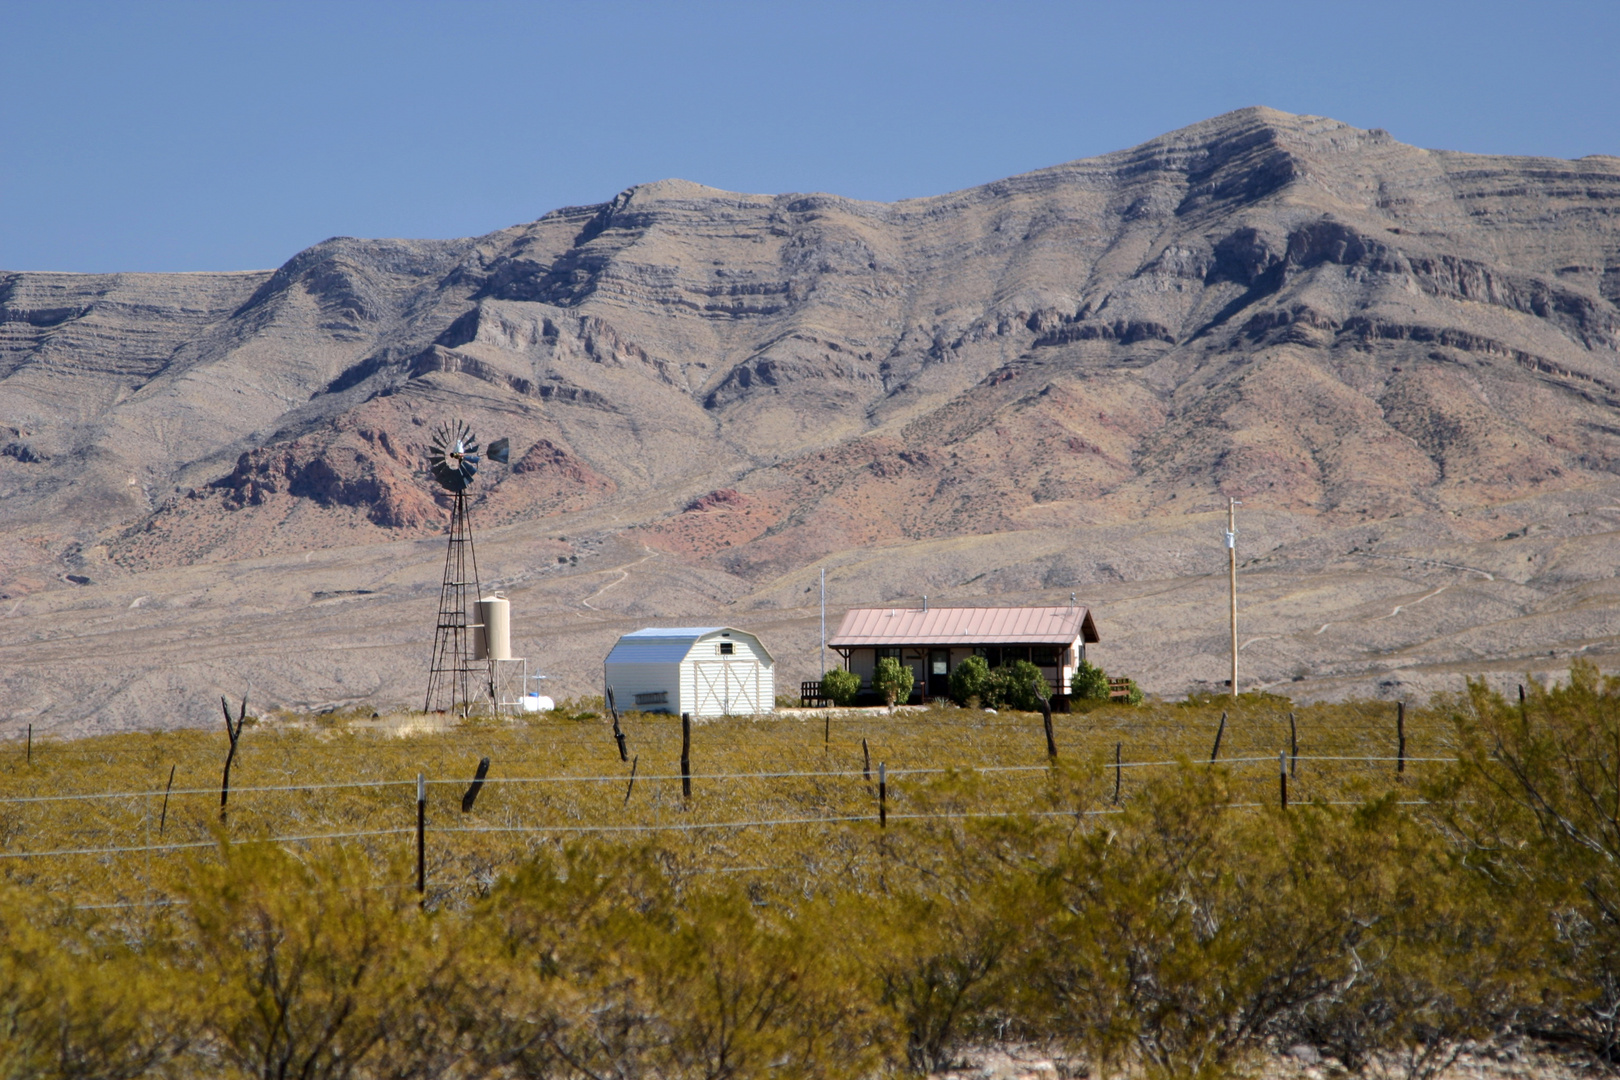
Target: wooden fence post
(826, 728)
(1216, 750)
(632, 785)
(618, 734)
(883, 797)
(468, 799)
(230, 755)
(1119, 769)
(1282, 776)
(686, 755)
(421, 836)
(30, 744)
(1400, 737)
(163, 819)
(866, 762)
(1293, 747)
(1046, 718)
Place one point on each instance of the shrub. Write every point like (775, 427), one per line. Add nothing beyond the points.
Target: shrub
(892, 680)
(970, 680)
(1014, 687)
(841, 686)
(1090, 683)
(594, 964)
(307, 969)
(1181, 938)
(1536, 796)
(76, 1004)
(940, 965)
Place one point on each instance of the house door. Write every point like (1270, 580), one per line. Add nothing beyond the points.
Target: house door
(939, 673)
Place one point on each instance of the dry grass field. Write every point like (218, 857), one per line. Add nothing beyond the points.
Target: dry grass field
(1434, 890)
(786, 801)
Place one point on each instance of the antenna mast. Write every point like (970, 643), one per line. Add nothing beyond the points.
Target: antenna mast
(823, 620)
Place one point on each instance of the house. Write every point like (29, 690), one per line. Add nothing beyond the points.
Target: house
(933, 641)
(702, 670)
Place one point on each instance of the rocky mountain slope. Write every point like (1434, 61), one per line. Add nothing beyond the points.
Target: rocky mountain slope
(1405, 363)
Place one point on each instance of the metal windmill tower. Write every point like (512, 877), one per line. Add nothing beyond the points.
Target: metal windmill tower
(456, 677)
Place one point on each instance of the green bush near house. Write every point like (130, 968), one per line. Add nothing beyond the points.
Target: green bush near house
(841, 686)
(970, 680)
(1017, 686)
(1014, 686)
(1090, 683)
(892, 680)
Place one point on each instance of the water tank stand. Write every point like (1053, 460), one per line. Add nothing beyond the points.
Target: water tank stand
(507, 680)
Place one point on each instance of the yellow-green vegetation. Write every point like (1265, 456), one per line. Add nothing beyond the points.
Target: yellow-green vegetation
(574, 926)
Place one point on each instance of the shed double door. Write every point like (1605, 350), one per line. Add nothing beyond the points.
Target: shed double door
(729, 687)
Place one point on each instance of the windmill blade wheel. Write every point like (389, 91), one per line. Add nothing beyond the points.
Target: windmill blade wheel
(453, 456)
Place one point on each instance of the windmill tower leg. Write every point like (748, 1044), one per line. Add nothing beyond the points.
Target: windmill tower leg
(453, 675)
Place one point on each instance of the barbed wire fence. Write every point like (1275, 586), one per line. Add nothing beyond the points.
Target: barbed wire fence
(881, 815)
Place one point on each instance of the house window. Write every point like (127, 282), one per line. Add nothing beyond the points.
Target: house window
(1011, 654)
(659, 697)
(727, 648)
(891, 653)
(1044, 655)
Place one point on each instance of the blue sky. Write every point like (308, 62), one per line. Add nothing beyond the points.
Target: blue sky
(229, 135)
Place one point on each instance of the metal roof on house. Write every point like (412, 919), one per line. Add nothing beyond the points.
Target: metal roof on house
(864, 627)
(666, 644)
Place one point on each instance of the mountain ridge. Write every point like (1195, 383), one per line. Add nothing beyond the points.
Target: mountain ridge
(1316, 319)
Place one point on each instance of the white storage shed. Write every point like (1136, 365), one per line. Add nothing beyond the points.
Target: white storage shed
(702, 670)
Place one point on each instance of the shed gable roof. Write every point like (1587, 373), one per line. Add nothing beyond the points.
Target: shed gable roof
(671, 644)
(964, 626)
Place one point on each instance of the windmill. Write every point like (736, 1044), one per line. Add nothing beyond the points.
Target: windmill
(455, 674)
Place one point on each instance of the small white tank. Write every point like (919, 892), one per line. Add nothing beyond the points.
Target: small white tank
(492, 633)
(537, 703)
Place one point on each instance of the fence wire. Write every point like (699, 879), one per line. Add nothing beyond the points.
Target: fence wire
(561, 829)
(895, 772)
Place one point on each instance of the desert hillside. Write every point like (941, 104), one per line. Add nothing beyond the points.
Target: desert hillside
(1403, 361)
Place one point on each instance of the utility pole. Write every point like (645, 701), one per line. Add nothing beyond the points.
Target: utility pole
(1231, 552)
(823, 621)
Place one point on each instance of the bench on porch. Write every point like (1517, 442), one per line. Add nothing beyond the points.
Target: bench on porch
(811, 696)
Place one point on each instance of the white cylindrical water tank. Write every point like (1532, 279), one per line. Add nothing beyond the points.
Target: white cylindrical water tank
(537, 703)
(493, 640)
